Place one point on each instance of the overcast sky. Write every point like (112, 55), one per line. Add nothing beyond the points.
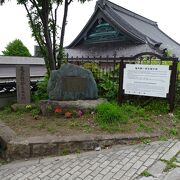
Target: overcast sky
(14, 23)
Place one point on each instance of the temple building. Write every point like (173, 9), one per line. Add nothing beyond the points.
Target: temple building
(115, 30)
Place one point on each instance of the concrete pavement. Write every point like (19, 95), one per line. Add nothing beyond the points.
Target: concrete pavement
(119, 162)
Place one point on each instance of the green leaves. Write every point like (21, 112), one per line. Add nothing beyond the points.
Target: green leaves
(83, 1)
(43, 17)
(108, 88)
(22, 1)
(16, 48)
(41, 92)
(1, 2)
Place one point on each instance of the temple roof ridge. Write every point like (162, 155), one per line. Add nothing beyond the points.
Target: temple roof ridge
(125, 11)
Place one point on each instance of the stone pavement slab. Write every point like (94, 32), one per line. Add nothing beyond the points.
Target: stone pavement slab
(173, 175)
(119, 162)
(157, 168)
(172, 152)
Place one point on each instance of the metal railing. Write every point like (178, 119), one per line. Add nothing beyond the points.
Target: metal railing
(114, 67)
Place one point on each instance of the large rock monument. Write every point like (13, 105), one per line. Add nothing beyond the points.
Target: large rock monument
(72, 82)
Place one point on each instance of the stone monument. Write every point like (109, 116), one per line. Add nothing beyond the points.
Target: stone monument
(72, 82)
(23, 84)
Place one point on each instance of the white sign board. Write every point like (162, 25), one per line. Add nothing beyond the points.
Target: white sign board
(146, 80)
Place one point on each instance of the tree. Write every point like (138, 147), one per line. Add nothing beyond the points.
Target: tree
(16, 48)
(42, 15)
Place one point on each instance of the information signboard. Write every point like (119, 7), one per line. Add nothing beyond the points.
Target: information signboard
(146, 80)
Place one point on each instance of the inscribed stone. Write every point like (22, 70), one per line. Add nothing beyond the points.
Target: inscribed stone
(72, 82)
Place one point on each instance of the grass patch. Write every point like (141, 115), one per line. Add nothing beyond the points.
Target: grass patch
(163, 138)
(157, 106)
(177, 113)
(173, 131)
(134, 111)
(146, 141)
(110, 113)
(74, 124)
(39, 126)
(144, 128)
(170, 164)
(114, 118)
(2, 162)
(145, 173)
(64, 152)
(108, 118)
(84, 126)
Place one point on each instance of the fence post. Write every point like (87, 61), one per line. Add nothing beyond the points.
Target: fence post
(120, 90)
(114, 64)
(172, 89)
(67, 56)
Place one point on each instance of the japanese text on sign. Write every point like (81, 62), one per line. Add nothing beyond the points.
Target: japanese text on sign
(146, 80)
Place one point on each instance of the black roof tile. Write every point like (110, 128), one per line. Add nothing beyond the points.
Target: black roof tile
(143, 30)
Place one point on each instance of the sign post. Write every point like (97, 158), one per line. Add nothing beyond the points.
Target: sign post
(23, 84)
(172, 88)
(148, 80)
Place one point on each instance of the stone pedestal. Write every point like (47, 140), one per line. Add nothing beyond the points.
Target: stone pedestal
(47, 106)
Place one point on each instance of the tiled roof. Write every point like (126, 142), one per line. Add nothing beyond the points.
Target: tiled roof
(143, 30)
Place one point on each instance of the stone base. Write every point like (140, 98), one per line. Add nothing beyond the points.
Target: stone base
(16, 107)
(86, 105)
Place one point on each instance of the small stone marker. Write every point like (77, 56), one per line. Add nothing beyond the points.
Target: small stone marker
(72, 82)
(23, 84)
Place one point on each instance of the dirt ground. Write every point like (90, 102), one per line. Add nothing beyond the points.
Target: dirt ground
(24, 124)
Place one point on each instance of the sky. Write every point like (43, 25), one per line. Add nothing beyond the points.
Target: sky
(14, 23)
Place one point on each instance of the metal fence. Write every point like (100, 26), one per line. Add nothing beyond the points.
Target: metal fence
(113, 67)
(109, 65)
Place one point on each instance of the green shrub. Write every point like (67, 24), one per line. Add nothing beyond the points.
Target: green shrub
(6, 109)
(157, 106)
(177, 113)
(108, 113)
(35, 111)
(41, 92)
(94, 68)
(173, 131)
(108, 88)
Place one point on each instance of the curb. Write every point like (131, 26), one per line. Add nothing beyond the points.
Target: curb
(20, 148)
(6, 135)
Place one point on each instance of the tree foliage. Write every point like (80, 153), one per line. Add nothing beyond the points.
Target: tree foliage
(42, 15)
(16, 48)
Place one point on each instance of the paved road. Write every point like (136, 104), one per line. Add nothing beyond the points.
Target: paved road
(119, 162)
